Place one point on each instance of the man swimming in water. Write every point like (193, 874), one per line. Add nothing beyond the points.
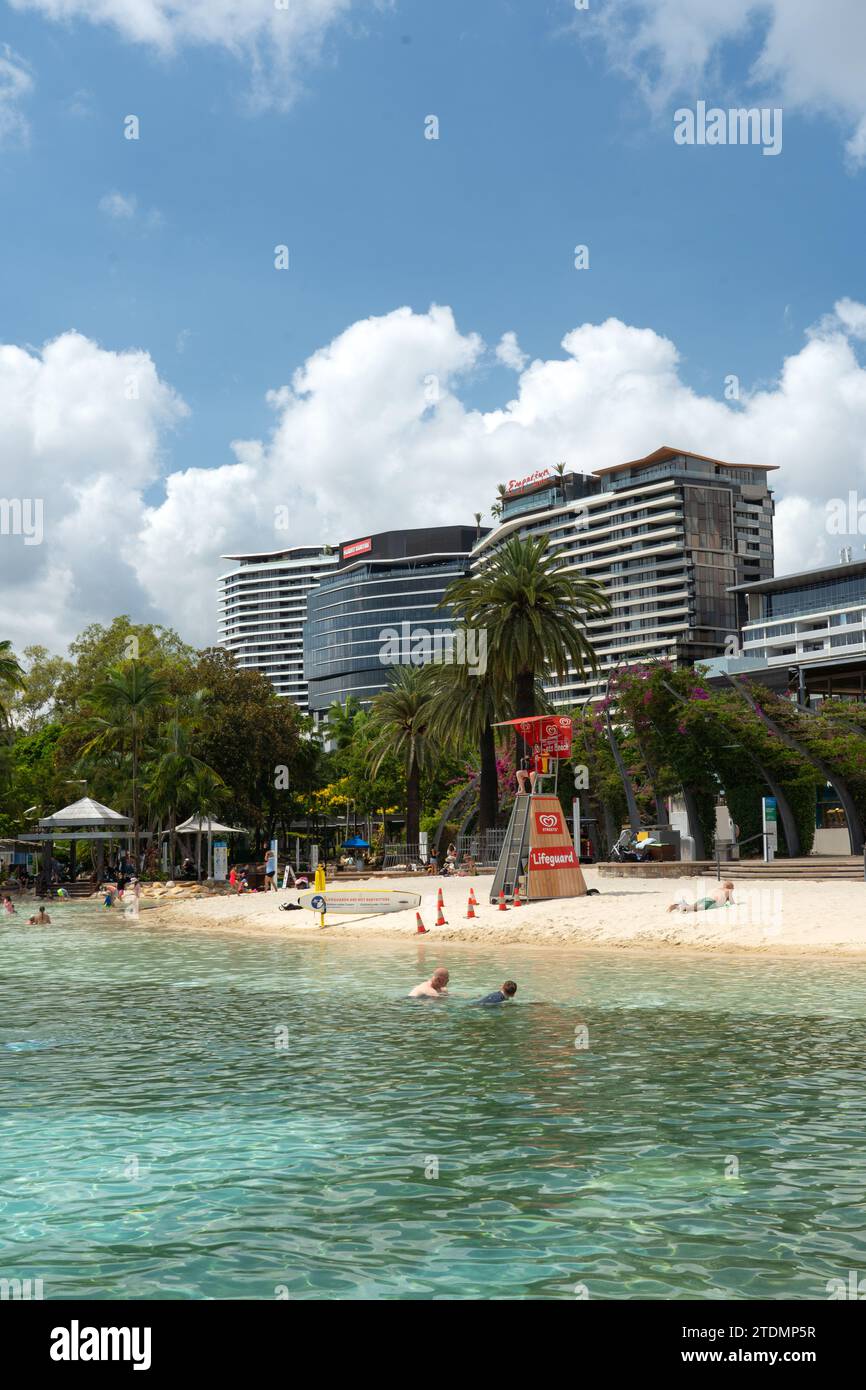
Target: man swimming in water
(40, 919)
(499, 996)
(433, 988)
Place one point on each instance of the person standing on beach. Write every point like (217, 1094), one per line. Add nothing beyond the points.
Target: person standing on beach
(433, 988)
(270, 870)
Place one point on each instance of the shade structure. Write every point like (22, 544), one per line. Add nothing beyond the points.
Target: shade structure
(205, 824)
(545, 733)
(356, 843)
(86, 811)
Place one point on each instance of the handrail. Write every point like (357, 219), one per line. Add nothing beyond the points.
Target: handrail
(761, 835)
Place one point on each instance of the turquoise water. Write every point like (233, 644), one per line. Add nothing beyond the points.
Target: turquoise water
(157, 1141)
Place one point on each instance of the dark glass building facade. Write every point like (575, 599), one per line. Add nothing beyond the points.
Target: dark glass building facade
(383, 584)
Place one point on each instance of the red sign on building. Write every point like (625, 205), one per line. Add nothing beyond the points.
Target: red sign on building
(357, 548)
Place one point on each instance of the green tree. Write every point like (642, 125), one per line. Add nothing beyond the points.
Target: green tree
(33, 705)
(11, 677)
(121, 704)
(400, 720)
(176, 765)
(258, 743)
(463, 709)
(534, 613)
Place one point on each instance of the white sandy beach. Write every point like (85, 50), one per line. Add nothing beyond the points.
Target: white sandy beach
(776, 916)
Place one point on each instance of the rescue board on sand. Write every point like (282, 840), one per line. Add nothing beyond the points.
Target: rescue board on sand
(370, 903)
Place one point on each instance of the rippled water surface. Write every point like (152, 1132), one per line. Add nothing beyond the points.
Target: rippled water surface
(184, 1116)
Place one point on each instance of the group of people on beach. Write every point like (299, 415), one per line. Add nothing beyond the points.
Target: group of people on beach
(437, 986)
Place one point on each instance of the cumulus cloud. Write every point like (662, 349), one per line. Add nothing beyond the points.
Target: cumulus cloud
(509, 354)
(371, 433)
(807, 57)
(16, 83)
(275, 37)
(121, 206)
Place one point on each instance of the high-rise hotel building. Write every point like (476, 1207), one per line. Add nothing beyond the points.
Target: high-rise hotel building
(262, 610)
(667, 536)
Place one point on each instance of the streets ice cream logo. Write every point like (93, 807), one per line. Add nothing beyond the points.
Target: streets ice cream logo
(548, 822)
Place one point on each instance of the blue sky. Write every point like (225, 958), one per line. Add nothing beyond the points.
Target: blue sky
(548, 138)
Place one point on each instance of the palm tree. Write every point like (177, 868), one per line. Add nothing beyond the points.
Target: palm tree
(123, 700)
(341, 721)
(463, 708)
(11, 675)
(206, 790)
(533, 612)
(400, 723)
(176, 765)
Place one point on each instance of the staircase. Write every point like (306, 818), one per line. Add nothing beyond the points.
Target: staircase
(512, 860)
(825, 869)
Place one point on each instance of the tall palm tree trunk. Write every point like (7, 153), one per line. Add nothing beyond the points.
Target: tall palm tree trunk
(413, 803)
(488, 787)
(524, 694)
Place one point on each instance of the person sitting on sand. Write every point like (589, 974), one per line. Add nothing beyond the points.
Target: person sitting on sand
(40, 918)
(499, 996)
(433, 988)
(720, 898)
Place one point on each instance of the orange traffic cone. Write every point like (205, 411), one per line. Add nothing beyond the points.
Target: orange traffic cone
(440, 902)
(471, 912)
(420, 928)
(502, 907)
(517, 902)
(440, 917)
(472, 897)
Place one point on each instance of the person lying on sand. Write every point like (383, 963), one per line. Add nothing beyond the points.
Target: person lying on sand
(499, 996)
(433, 988)
(722, 895)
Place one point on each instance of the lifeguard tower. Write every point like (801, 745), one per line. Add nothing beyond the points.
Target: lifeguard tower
(538, 853)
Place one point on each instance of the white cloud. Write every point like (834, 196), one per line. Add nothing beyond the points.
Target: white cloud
(509, 354)
(275, 37)
(121, 206)
(370, 434)
(16, 83)
(808, 56)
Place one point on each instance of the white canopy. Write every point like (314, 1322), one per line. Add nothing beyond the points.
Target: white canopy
(207, 825)
(84, 812)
